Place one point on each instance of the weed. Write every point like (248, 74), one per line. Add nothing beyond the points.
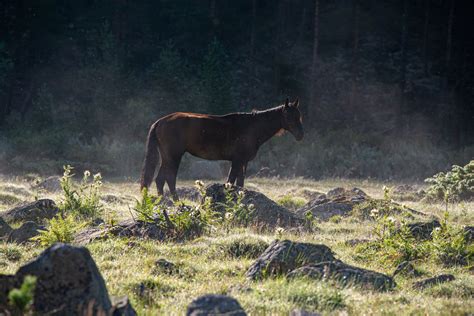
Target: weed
(290, 202)
(61, 228)
(82, 200)
(22, 298)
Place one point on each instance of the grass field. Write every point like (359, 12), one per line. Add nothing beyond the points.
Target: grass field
(208, 264)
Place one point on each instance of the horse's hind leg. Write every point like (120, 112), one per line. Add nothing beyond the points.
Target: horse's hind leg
(171, 174)
(235, 171)
(160, 180)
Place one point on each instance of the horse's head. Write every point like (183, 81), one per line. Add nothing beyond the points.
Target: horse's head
(292, 119)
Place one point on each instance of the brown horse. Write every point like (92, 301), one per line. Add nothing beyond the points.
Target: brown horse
(235, 137)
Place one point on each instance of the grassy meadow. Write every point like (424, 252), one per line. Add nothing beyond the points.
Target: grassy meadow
(210, 263)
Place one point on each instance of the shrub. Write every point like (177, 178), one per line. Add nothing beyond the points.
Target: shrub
(22, 298)
(82, 200)
(60, 229)
(236, 213)
(457, 184)
(449, 245)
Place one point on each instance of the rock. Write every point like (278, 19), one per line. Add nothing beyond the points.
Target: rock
(121, 306)
(337, 201)
(355, 242)
(35, 211)
(67, 281)
(111, 198)
(302, 312)
(137, 228)
(50, 184)
(24, 232)
(165, 266)
(205, 169)
(423, 230)
(284, 256)
(189, 193)
(442, 278)
(7, 282)
(267, 213)
(212, 304)
(5, 229)
(89, 235)
(469, 233)
(406, 268)
(346, 275)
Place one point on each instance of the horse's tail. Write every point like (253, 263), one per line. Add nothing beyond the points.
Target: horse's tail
(151, 159)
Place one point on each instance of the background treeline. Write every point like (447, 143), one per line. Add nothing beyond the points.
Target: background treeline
(387, 87)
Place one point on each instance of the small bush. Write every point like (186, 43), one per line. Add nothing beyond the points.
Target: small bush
(454, 185)
(60, 229)
(10, 252)
(335, 219)
(82, 200)
(244, 247)
(22, 298)
(449, 245)
(236, 213)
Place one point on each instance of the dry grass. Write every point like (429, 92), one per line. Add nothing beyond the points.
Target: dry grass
(206, 265)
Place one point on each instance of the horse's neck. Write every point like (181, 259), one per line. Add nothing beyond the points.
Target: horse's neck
(267, 124)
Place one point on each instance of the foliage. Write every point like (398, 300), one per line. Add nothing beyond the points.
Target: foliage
(450, 246)
(22, 298)
(236, 213)
(454, 185)
(82, 200)
(61, 228)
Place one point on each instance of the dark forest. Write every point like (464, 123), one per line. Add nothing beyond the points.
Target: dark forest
(386, 87)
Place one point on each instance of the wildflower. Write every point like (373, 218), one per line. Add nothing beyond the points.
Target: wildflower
(229, 216)
(228, 186)
(391, 219)
(374, 213)
(97, 176)
(241, 194)
(199, 183)
(87, 174)
(251, 206)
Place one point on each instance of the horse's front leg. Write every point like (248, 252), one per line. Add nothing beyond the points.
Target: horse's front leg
(235, 171)
(241, 175)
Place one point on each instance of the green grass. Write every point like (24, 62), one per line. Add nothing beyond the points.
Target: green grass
(217, 261)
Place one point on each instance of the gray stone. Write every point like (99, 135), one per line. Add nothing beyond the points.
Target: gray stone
(302, 312)
(212, 304)
(338, 201)
(345, 275)
(284, 256)
(121, 306)
(442, 278)
(35, 211)
(407, 269)
(24, 232)
(67, 281)
(5, 229)
(267, 214)
(423, 230)
(469, 233)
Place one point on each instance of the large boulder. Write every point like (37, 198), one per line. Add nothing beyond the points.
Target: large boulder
(338, 201)
(345, 275)
(68, 283)
(35, 211)
(24, 232)
(267, 213)
(284, 256)
(215, 305)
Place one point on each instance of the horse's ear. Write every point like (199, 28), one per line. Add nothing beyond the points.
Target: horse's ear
(287, 102)
(296, 103)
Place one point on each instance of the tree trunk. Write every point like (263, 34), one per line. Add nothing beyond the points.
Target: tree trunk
(425, 37)
(314, 95)
(354, 61)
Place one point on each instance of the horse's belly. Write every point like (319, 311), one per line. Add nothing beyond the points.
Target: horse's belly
(210, 151)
